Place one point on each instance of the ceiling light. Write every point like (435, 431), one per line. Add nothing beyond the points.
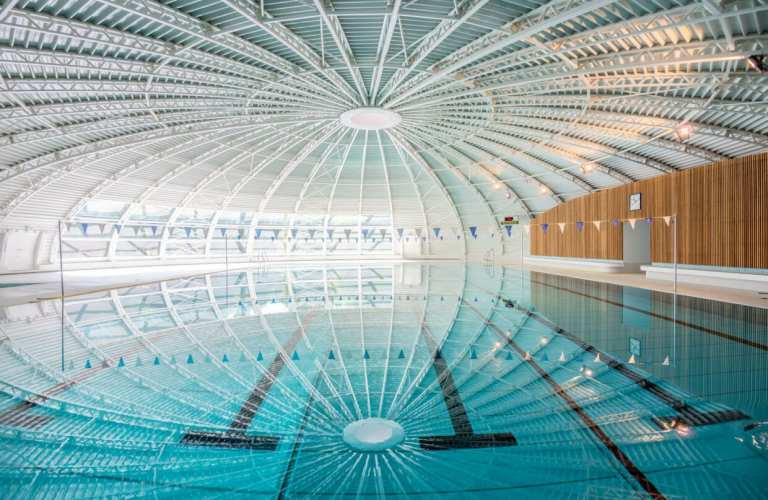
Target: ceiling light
(508, 194)
(683, 133)
(543, 189)
(588, 168)
(756, 63)
(589, 372)
(543, 340)
(498, 344)
(497, 186)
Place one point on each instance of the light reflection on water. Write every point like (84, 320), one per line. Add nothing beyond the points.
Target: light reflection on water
(242, 385)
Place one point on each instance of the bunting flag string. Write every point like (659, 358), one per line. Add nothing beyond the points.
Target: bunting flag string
(666, 219)
(544, 228)
(580, 225)
(597, 224)
(562, 227)
(632, 222)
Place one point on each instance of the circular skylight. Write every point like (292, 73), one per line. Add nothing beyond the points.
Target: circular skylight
(370, 118)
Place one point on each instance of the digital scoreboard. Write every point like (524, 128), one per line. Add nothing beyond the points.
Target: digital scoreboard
(509, 220)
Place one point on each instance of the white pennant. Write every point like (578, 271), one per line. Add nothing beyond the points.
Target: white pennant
(418, 232)
(562, 356)
(455, 231)
(632, 222)
(562, 227)
(666, 219)
(102, 227)
(666, 361)
(490, 230)
(597, 224)
(527, 228)
(632, 360)
(527, 356)
(597, 358)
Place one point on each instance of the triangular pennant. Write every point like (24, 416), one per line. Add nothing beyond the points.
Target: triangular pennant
(400, 233)
(366, 355)
(295, 356)
(330, 233)
(68, 225)
(437, 231)
(190, 361)
(666, 361)
(240, 234)
(294, 232)
(580, 225)
(121, 362)
(667, 219)
(455, 231)
(615, 223)
(170, 230)
(71, 365)
(259, 357)
(491, 231)
(154, 230)
(544, 228)
(102, 227)
(401, 355)
(509, 355)
(331, 356)
(562, 227)
(173, 359)
(242, 359)
(527, 228)
(118, 228)
(648, 361)
(207, 359)
(632, 222)
(205, 232)
(527, 356)
(156, 361)
(597, 224)
(562, 356)
(597, 358)
(632, 360)
(188, 230)
(438, 354)
(84, 227)
(312, 233)
(383, 233)
(257, 233)
(225, 359)
(544, 357)
(87, 363)
(138, 361)
(649, 220)
(347, 232)
(509, 230)
(473, 354)
(365, 233)
(473, 230)
(223, 231)
(418, 232)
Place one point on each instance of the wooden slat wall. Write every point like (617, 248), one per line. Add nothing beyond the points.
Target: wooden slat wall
(722, 211)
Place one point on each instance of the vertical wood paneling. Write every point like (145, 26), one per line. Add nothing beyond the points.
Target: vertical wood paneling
(722, 211)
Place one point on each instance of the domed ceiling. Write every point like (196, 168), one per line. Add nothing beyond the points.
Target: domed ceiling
(478, 109)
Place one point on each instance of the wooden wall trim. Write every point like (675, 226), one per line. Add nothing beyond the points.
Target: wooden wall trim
(722, 210)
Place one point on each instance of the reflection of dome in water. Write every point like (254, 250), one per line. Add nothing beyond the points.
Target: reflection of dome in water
(373, 434)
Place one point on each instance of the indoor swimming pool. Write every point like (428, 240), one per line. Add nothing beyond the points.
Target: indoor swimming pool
(415, 380)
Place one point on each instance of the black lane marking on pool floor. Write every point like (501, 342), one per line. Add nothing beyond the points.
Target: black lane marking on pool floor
(295, 452)
(464, 436)
(660, 316)
(235, 436)
(16, 416)
(624, 460)
(689, 415)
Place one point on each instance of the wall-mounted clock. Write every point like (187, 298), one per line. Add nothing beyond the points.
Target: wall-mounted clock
(634, 201)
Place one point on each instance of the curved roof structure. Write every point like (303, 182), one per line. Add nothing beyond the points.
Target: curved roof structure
(505, 107)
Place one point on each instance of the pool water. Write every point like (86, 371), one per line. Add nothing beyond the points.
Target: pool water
(405, 381)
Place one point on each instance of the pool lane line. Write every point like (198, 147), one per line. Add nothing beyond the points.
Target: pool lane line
(296, 445)
(235, 436)
(661, 316)
(624, 460)
(16, 417)
(689, 415)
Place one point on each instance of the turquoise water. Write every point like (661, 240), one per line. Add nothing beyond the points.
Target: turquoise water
(505, 385)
